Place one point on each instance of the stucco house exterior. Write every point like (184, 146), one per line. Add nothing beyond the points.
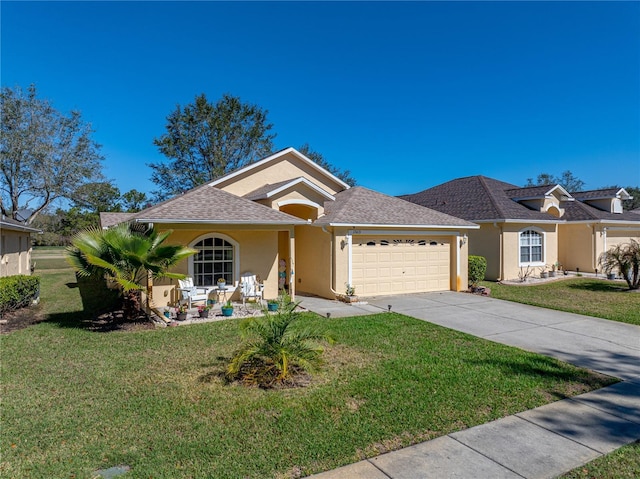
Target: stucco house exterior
(293, 223)
(534, 228)
(15, 247)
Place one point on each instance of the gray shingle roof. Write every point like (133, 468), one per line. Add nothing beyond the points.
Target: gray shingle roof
(579, 211)
(262, 192)
(594, 194)
(476, 198)
(361, 206)
(207, 204)
(11, 224)
(112, 219)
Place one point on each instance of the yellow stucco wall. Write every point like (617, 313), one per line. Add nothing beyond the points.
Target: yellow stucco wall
(576, 247)
(486, 242)
(287, 167)
(511, 248)
(313, 262)
(258, 252)
(582, 244)
(15, 252)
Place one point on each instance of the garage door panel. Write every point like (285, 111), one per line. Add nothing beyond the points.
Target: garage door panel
(403, 265)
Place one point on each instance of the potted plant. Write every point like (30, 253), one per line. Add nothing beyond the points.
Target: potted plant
(543, 271)
(203, 310)
(227, 309)
(181, 312)
(222, 283)
(552, 273)
(272, 305)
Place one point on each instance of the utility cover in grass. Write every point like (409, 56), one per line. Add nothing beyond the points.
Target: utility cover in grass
(113, 471)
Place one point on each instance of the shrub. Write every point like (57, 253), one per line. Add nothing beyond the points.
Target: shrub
(477, 269)
(625, 258)
(17, 292)
(276, 348)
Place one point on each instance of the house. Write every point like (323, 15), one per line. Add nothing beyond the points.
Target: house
(296, 225)
(15, 247)
(533, 228)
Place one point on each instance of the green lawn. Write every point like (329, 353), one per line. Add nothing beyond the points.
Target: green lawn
(75, 401)
(593, 297)
(623, 463)
(48, 257)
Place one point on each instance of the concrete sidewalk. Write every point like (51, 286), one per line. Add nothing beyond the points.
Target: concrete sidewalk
(541, 443)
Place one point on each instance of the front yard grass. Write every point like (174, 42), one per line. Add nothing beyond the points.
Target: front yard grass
(592, 297)
(75, 401)
(623, 463)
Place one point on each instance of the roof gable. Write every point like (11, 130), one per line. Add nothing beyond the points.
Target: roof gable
(284, 165)
(270, 191)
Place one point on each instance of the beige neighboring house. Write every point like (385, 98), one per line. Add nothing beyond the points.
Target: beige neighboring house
(294, 224)
(534, 228)
(15, 247)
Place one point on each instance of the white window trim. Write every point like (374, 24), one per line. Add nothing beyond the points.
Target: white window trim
(542, 233)
(236, 254)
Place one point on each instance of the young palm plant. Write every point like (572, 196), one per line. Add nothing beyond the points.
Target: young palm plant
(129, 255)
(276, 347)
(624, 257)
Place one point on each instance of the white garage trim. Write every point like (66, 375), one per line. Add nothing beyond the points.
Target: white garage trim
(402, 233)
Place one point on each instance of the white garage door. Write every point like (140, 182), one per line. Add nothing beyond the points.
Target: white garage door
(400, 264)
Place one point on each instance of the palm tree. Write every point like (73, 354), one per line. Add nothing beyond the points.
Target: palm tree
(129, 255)
(275, 348)
(624, 257)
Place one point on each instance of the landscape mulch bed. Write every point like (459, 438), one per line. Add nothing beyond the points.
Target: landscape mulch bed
(106, 322)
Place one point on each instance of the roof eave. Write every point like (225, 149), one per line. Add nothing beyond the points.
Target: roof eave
(377, 225)
(218, 222)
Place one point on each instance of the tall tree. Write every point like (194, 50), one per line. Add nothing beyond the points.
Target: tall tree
(98, 196)
(45, 155)
(204, 141)
(567, 180)
(634, 202)
(344, 175)
(134, 201)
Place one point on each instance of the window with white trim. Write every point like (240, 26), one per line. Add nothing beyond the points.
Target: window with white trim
(214, 260)
(531, 243)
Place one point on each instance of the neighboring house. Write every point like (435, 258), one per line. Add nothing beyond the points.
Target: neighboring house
(295, 224)
(15, 247)
(536, 227)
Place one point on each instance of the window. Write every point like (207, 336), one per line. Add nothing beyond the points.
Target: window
(214, 260)
(530, 247)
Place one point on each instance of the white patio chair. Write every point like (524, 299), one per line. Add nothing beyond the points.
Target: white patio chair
(191, 293)
(250, 288)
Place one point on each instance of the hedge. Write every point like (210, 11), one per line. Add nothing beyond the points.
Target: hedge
(17, 292)
(477, 269)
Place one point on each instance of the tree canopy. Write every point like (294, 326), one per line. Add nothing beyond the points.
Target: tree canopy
(45, 155)
(204, 141)
(567, 180)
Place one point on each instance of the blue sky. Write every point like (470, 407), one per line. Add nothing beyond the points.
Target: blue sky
(404, 95)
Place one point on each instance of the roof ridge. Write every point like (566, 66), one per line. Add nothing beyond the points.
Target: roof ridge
(490, 195)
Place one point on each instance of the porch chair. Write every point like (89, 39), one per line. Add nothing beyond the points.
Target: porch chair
(191, 293)
(250, 288)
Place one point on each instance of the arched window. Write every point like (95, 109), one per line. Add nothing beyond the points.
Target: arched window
(531, 246)
(216, 258)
